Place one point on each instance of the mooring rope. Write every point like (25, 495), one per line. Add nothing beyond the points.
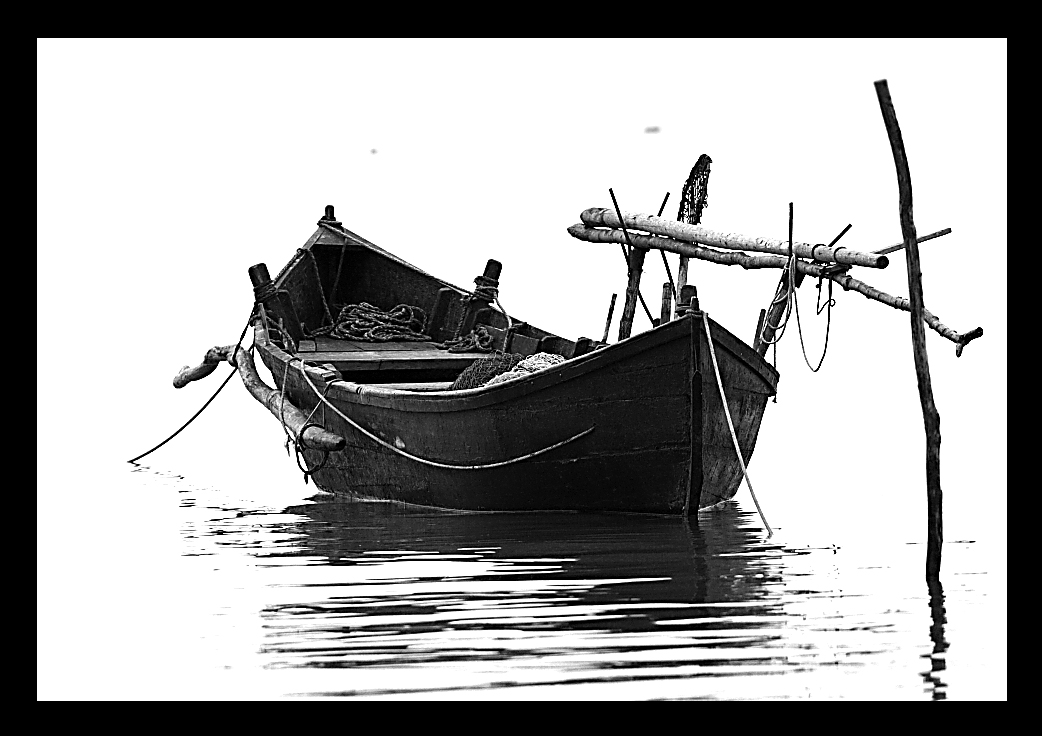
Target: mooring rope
(730, 425)
(421, 460)
(307, 423)
(234, 371)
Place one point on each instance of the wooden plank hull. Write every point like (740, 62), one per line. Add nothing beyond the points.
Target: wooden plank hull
(659, 442)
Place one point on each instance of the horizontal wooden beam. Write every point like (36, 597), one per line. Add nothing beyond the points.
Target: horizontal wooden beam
(745, 260)
(602, 217)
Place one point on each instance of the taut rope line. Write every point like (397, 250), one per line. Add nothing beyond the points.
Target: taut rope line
(234, 371)
(421, 460)
(730, 425)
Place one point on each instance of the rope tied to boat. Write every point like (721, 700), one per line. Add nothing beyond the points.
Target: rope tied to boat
(297, 439)
(478, 340)
(730, 425)
(424, 461)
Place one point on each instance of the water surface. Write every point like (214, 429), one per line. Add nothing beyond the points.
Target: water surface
(320, 598)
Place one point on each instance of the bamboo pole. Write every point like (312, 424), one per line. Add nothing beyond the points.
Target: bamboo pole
(931, 417)
(601, 217)
(736, 258)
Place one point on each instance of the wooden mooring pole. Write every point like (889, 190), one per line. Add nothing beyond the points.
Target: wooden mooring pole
(931, 418)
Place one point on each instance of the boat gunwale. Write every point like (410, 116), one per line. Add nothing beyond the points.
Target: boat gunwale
(482, 396)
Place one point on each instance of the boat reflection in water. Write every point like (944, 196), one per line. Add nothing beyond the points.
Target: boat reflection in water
(415, 602)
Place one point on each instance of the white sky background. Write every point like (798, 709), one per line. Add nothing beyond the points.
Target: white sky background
(165, 168)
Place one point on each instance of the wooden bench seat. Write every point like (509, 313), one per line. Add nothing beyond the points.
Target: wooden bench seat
(355, 355)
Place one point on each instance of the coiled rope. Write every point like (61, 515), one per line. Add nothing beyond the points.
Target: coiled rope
(421, 460)
(363, 321)
(730, 425)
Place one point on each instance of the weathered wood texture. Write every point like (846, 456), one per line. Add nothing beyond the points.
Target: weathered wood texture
(638, 458)
(214, 357)
(636, 268)
(732, 258)
(931, 417)
(602, 217)
(647, 242)
(311, 436)
(613, 468)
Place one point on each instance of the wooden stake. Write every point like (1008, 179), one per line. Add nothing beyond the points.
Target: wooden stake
(931, 417)
(667, 302)
(607, 322)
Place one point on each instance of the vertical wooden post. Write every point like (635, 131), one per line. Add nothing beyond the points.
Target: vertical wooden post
(759, 327)
(767, 327)
(632, 292)
(931, 418)
(667, 303)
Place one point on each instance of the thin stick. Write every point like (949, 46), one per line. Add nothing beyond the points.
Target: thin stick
(899, 246)
(607, 322)
(841, 234)
(665, 263)
(635, 262)
(931, 417)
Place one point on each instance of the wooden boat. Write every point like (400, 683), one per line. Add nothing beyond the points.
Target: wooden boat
(635, 426)
(659, 423)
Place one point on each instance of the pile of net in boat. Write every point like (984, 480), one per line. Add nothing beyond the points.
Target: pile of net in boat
(502, 367)
(365, 322)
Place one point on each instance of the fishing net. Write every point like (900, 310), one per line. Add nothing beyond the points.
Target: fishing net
(531, 364)
(503, 367)
(483, 369)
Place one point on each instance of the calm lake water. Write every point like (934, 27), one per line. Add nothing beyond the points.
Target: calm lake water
(296, 596)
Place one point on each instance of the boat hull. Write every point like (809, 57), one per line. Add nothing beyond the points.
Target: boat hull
(641, 422)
